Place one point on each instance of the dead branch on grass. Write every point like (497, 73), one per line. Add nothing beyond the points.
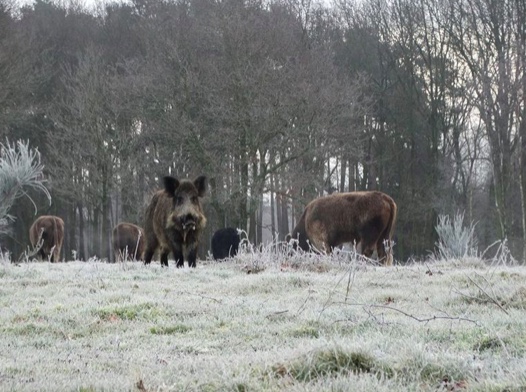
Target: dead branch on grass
(302, 306)
(490, 298)
(276, 313)
(203, 296)
(417, 318)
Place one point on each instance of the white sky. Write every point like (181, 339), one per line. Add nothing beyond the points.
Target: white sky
(91, 4)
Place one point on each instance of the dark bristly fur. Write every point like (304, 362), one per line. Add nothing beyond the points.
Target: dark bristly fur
(175, 220)
(128, 242)
(364, 218)
(225, 243)
(52, 229)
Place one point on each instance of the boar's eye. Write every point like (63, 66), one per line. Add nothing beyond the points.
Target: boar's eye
(179, 200)
(194, 199)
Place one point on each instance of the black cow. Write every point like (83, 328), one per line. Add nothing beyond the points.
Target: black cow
(225, 243)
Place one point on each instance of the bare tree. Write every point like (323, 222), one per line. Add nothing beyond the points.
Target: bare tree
(486, 38)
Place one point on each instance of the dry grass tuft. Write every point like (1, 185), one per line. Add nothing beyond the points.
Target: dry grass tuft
(330, 363)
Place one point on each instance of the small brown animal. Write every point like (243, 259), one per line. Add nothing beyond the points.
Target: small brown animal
(47, 232)
(174, 221)
(364, 218)
(127, 241)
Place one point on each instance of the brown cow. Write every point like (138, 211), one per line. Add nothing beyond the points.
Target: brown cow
(174, 221)
(127, 241)
(364, 218)
(47, 232)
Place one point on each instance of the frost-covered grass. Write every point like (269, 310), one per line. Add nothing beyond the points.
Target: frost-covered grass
(258, 323)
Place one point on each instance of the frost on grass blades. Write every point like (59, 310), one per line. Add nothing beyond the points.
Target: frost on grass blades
(294, 326)
(282, 254)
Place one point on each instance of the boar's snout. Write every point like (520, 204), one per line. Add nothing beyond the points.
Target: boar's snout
(189, 221)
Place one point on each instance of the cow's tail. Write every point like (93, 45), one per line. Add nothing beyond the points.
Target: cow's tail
(389, 230)
(59, 238)
(39, 244)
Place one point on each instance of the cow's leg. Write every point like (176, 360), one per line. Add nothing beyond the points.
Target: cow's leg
(371, 235)
(368, 250)
(380, 249)
(359, 247)
(385, 257)
(365, 247)
(56, 254)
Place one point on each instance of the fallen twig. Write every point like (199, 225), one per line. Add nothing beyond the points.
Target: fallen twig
(203, 296)
(419, 319)
(489, 296)
(276, 313)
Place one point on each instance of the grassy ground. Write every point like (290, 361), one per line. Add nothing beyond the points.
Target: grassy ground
(263, 323)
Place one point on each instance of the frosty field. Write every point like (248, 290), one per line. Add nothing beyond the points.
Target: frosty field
(263, 325)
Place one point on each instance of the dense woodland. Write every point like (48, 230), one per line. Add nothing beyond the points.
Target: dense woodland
(276, 102)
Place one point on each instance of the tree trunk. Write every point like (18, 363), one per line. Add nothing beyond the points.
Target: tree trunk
(284, 219)
(279, 217)
(82, 233)
(343, 172)
(259, 231)
(352, 176)
(272, 208)
(72, 240)
(521, 117)
(253, 206)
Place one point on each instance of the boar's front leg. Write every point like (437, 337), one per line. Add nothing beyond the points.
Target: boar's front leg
(178, 256)
(192, 256)
(164, 258)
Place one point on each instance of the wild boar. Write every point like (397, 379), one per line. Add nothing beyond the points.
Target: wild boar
(175, 220)
(128, 242)
(47, 232)
(364, 218)
(225, 243)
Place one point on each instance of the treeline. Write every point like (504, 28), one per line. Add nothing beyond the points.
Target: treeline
(276, 102)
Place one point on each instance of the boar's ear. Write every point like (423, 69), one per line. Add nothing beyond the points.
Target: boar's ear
(200, 184)
(170, 185)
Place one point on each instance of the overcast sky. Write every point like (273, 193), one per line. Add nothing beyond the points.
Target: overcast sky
(87, 3)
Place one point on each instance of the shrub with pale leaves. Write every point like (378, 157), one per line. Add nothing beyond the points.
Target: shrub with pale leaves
(455, 240)
(20, 168)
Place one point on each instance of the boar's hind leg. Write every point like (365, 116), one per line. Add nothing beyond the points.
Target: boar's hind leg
(148, 255)
(151, 245)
